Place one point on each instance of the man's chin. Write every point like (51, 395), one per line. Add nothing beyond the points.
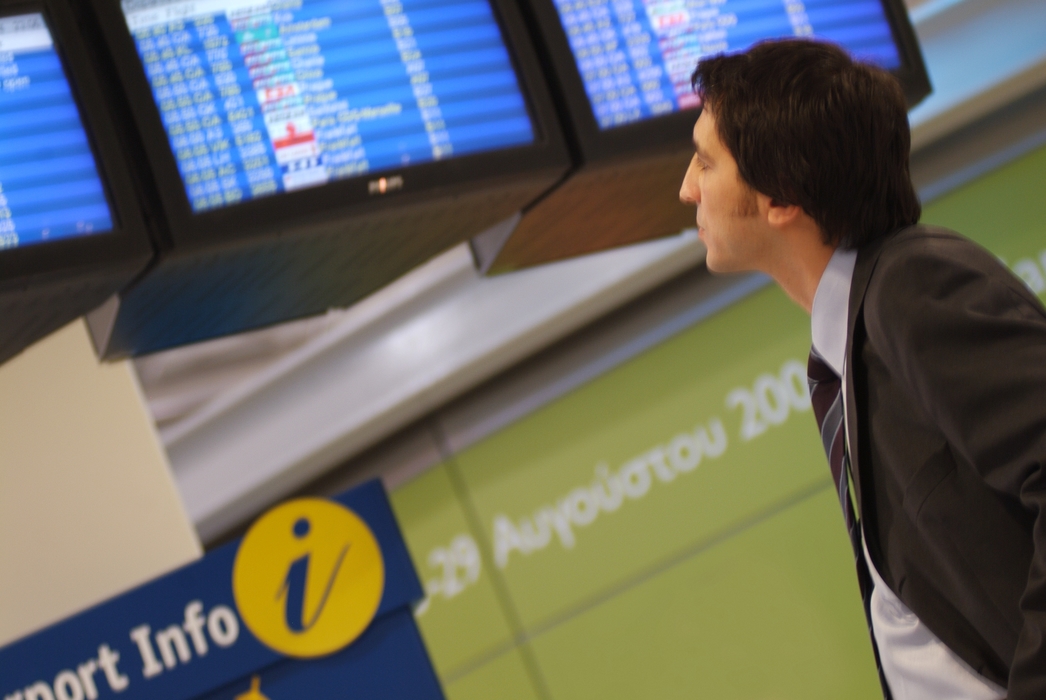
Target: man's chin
(719, 264)
(715, 263)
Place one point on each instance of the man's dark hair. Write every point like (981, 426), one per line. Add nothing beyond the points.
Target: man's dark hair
(809, 126)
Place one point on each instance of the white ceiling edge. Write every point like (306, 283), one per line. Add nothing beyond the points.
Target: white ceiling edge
(406, 296)
(980, 56)
(179, 381)
(409, 348)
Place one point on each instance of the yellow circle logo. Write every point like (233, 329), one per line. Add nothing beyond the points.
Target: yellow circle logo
(308, 577)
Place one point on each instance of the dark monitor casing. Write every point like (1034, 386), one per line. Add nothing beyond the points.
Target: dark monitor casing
(301, 253)
(625, 181)
(44, 286)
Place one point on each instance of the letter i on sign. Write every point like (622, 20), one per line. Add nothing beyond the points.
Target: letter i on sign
(294, 585)
(308, 577)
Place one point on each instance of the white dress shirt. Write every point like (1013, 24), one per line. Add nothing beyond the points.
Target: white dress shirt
(917, 665)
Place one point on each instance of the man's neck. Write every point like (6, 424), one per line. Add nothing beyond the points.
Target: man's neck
(798, 266)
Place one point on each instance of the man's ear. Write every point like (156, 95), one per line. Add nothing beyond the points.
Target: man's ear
(779, 214)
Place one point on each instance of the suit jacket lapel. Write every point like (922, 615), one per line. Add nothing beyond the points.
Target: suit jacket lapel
(867, 257)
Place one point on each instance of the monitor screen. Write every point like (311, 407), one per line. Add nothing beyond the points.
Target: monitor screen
(636, 56)
(265, 96)
(49, 183)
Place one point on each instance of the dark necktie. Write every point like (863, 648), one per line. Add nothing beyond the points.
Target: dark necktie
(827, 398)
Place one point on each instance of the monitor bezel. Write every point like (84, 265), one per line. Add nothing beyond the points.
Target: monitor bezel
(286, 211)
(912, 73)
(127, 244)
(673, 131)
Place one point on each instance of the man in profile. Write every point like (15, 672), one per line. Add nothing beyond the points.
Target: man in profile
(928, 365)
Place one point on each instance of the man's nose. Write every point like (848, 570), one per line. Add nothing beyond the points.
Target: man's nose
(688, 194)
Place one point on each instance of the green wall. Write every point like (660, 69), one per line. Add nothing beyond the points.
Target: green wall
(669, 529)
(644, 537)
(1005, 211)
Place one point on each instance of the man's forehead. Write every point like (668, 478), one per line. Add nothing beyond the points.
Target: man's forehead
(705, 137)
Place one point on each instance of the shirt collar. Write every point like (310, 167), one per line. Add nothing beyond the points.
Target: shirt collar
(831, 309)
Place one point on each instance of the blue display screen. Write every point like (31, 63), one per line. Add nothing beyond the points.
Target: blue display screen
(636, 56)
(267, 96)
(49, 184)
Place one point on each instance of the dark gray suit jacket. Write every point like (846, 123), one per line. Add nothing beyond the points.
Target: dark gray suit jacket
(946, 394)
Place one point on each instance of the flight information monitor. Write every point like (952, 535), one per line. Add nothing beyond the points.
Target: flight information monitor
(49, 183)
(265, 96)
(636, 56)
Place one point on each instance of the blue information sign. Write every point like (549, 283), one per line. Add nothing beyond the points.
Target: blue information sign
(314, 601)
(636, 56)
(267, 96)
(49, 184)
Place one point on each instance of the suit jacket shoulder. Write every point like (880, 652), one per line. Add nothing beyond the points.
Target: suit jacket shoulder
(920, 267)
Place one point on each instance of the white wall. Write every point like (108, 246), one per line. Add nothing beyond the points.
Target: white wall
(88, 507)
